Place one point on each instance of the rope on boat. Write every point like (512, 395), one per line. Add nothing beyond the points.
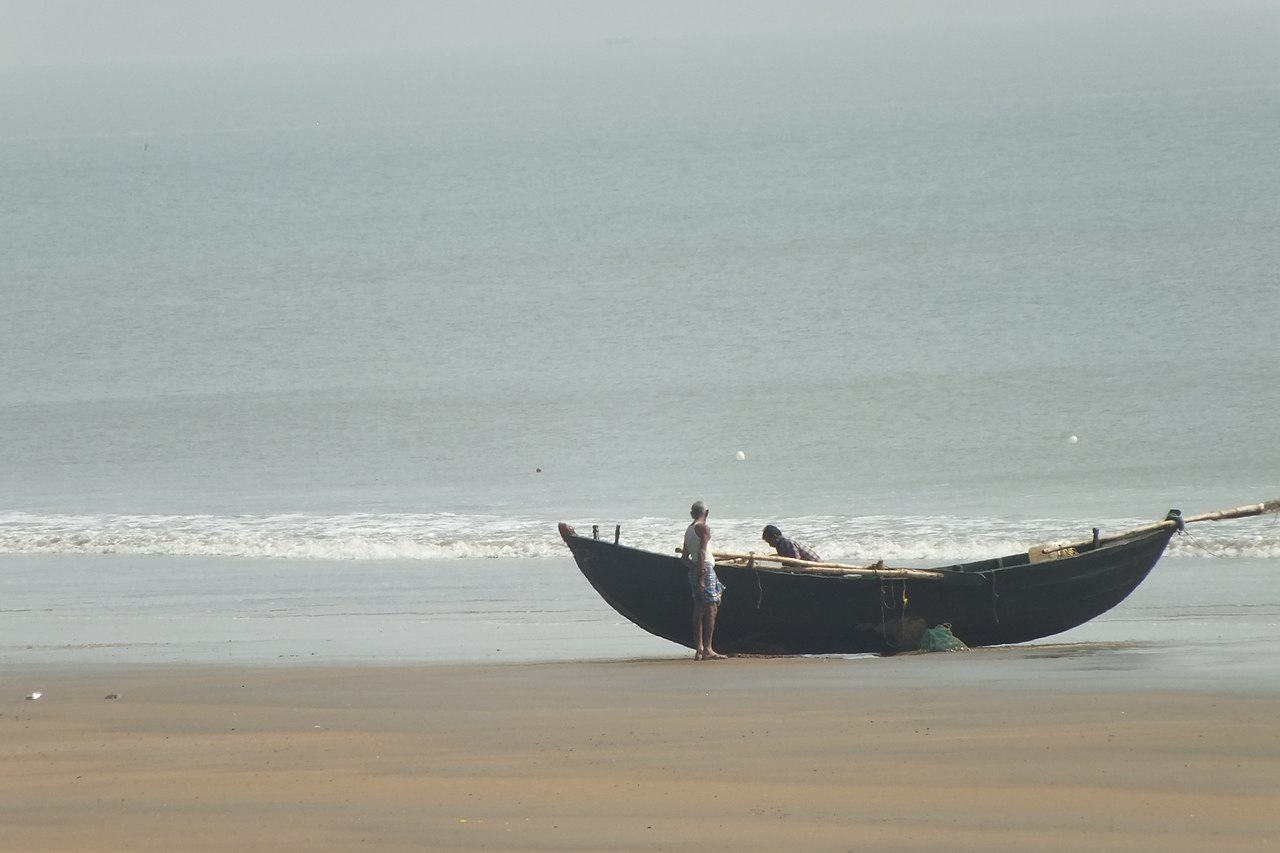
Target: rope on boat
(1204, 547)
(887, 605)
(995, 598)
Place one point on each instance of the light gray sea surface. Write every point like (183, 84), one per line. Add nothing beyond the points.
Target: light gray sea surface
(328, 333)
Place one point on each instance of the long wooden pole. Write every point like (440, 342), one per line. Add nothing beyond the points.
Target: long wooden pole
(1246, 511)
(794, 565)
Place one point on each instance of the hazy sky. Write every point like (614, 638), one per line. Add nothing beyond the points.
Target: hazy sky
(54, 32)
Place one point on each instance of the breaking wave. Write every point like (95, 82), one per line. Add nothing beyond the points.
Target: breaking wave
(442, 536)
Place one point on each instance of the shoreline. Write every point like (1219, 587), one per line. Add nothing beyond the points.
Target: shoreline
(1101, 664)
(1191, 621)
(909, 753)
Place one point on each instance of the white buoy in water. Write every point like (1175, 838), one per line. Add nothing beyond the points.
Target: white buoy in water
(1072, 440)
(741, 456)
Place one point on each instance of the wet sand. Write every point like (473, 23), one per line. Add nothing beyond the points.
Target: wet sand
(666, 754)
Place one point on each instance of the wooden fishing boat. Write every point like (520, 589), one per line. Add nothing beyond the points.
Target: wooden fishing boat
(776, 606)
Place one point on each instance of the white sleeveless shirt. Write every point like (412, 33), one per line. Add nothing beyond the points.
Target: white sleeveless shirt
(693, 544)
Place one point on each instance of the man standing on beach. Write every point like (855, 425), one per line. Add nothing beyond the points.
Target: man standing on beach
(703, 582)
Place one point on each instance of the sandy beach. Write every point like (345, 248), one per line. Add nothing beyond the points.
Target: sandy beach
(660, 754)
(320, 318)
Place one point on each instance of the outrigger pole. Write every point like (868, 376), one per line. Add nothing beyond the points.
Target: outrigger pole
(1173, 519)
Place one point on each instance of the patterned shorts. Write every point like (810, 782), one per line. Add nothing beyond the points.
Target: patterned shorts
(714, 590)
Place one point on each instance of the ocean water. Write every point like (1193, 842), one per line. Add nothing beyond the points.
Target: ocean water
(307, 358)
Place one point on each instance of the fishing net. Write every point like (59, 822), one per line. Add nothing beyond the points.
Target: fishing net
(940, 639)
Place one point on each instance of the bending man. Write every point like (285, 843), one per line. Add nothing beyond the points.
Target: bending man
(789, 547)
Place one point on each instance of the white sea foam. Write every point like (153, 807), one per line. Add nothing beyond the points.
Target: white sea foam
(442, 536)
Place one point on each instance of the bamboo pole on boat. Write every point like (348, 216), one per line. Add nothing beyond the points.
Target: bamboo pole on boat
(1246, 511)
(793, 565)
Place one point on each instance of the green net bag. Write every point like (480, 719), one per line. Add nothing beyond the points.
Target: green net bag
(940, 639)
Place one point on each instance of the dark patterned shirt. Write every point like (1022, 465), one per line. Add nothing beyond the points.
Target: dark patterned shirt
(796, 550)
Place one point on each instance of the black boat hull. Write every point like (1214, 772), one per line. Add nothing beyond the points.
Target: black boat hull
(991, 602)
